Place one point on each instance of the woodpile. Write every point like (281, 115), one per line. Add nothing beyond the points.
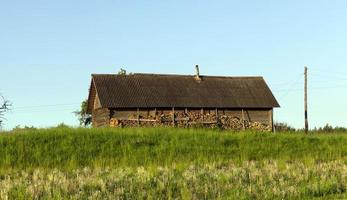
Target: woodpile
(232, 123)
(114, 122)
(189, 119)
(258, 126)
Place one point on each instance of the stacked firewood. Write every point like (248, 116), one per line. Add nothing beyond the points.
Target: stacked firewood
(190, 119)
(258, 126)
(232, 123)
(114, 122)
(181, 120)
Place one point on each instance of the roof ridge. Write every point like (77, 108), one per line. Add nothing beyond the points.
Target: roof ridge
(182, 75)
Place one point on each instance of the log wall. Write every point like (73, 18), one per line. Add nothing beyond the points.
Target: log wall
(101, 117)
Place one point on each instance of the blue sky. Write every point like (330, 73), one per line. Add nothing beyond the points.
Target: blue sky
(48, 49)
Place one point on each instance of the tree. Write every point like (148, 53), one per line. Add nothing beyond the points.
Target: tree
(122, 72)
(84, 118)
(4, 107)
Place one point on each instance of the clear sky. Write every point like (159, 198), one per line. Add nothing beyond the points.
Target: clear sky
(48, 50)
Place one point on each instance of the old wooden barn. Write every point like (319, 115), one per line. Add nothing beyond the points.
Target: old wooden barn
(181, 100)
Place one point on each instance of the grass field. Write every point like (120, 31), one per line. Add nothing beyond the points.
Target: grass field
(164, 163)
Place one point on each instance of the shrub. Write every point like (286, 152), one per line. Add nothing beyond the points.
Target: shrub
(283, 127)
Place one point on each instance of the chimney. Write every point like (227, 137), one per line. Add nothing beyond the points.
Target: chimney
(197, 75)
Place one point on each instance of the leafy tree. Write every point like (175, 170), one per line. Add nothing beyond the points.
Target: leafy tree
(84, 118)
(122, 72)
(330, 129)
(4, 107)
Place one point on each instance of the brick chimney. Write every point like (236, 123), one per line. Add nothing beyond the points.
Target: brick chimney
(197, 75)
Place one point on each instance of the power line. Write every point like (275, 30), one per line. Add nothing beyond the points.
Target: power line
(286, 91)
(283, 83)
(289, 89)
(328, 87)
(313, 88)
(41, 111)
(49, 105)
(327, 72)
(333, 76)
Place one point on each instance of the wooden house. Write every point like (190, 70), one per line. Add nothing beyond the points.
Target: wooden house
(180, 100)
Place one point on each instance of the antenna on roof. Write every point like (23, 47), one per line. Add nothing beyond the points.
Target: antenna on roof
(197, 75)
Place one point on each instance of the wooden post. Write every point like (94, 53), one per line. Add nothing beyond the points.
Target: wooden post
(138, 117)
(217, 117)
(271, 121)
(202, 114)
(173, 116)
(306, 114)
(243, 120)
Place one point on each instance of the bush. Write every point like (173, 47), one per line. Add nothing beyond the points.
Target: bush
(62, 125)
(283, 127)
(25, 128)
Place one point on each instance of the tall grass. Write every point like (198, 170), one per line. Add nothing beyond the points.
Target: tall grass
(250, 180)
(167, 163)
(66, 148)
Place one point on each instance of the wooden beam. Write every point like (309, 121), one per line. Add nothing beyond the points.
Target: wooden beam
(173, 116)
(155, 114)
(243, 120)
(202, 113)
(217, 117)
(204, 122)
(138, 117)
(271, 123)
(141, 120)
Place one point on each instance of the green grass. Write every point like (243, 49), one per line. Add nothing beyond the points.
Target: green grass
(168, 163)
(74, 148)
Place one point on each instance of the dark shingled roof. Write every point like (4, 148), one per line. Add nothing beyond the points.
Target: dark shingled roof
(157, 91)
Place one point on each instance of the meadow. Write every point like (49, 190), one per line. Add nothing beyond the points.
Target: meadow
(168, 163)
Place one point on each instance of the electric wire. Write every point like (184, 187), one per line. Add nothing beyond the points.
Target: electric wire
(328, 77)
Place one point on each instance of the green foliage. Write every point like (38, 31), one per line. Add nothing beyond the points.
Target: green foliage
(248, 180)
(68, 148)
(122, 72)
(283, 127)
(169, 163)
(17, 193)
(25, 128)
(330, 129)
(62, 126)
(83, 117)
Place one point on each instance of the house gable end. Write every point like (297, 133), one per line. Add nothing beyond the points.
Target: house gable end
(93, 98)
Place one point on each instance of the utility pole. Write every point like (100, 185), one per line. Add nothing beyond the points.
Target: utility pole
(306, 115)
